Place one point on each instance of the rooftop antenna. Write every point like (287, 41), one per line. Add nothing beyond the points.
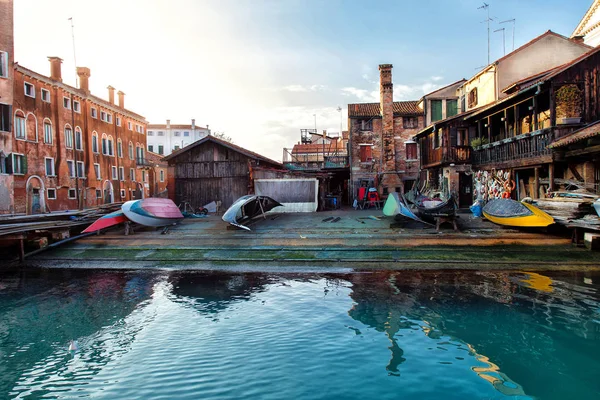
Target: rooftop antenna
(74, 57)
(486, 7)
(513, 31)
(503, 42)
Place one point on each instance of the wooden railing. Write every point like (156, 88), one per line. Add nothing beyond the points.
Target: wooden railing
(454, 154)
(525, 146)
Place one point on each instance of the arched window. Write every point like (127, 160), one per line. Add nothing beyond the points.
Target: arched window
(104, 144)
(95, 142)
(20, 129)
(131, 151)
(68, 137)
(119, 148)
(48, 137)
(111, 146)
(78, 139)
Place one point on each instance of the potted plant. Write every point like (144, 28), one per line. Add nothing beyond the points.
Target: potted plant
(568, 104)
(477, 142)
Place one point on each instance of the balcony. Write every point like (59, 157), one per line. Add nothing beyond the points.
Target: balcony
(452, 155)
(516, 150)
(336, 162)
(143, 162)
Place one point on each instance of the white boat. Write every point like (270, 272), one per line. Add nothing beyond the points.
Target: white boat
(597, 207)
(152, 212)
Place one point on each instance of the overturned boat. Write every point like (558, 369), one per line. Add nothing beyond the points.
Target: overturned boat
(509, 212)
(106, 221)
(396, 205)
(247, 207)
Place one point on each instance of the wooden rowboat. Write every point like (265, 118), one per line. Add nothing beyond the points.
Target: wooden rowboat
(513, 213)
(106, 221)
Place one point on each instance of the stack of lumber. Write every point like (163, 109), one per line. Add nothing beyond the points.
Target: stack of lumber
(564, 210)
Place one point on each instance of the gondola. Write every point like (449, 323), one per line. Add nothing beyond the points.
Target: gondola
(435, 207)
(396, 205)
(509, 212)
(247, 207)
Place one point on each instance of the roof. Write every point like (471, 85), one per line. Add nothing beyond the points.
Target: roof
(156, 158)
(463, 80)
(577, 136)
(370, 110)
(318, 148)
(528, 81)
(443, 121)
(224, 143)
(586, 18)
(172, 126)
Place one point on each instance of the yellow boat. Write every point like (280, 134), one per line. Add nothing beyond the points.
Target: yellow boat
(513, 213)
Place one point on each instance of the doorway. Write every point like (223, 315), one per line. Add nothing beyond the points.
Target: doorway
(465, 185)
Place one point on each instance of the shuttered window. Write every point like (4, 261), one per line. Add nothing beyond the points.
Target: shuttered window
(411, 151)
(366, 154)
(436, 110)
(451, 108)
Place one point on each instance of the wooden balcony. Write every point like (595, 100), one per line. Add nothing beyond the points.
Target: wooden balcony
(516, 151)
(442, 156)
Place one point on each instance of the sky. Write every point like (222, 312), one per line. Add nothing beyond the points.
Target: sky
(261, 70)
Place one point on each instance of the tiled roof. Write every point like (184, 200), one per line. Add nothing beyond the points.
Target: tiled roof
(577, 136)
(529, 81)
(401, 108)
(225, 143)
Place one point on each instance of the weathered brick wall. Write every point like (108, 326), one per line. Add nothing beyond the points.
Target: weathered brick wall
(6, 97)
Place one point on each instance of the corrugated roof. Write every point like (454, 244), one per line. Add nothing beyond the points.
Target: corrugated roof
(369, 110)
(577, 136)
(224, 143)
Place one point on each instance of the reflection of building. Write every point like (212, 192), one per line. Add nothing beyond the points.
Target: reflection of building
(163, 139)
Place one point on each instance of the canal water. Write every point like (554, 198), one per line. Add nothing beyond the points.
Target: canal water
(371, 335)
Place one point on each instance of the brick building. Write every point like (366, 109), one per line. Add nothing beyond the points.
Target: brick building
(6, 100)
(382, 152)
(70, 148)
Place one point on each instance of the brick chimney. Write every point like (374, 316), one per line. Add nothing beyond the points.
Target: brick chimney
(578, 39)
(386, 95)
(111, 94)
(55, 68)
(168, 124)
(84, 78)
(121, 99)
(193, 124)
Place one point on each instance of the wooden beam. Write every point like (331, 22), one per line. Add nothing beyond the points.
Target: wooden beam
(576, 174)
(552, 108)
(588, 150)
(536, 183)
(551, 176)
(517, 123)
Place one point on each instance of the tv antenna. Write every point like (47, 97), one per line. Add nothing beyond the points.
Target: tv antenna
(503, 42)
(486, 7)
(513, 31)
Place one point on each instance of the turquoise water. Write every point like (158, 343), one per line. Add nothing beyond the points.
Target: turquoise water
(371, 335)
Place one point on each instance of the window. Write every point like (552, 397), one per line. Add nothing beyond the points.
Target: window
(150, 147)
(111, 149)
(3, 64)
(51, 194)
(130, 151)
(436, 110)
(139, 128)
(78, 139)
(129, 126)
(160, 149)
(119, 148)
(80, 169)
(20, 132)
(366, 154)
(29, 90)
(162, 175)
(123, 193)
(67, 103)
(186, 134)
(366, 124)
(176, 134)
(19, 164)
(437, 139)
(143, 176)
(411, 150)
(94, 112)
(47, 133)
(98, 193)
(5, 117)
(410, 122)
(462, 138)
(114, 172)
(49, 166)
(68, 138)
(72, 194)
(118, 119)
(3, 166)
(95, 142)
(97, 171)
(150, 133)
(132, 174)
(104, 145)
(473, 98)
(175, 148)
(46, 95)
(451, 108)
(76, 106)
(160, 133)
(109, 118)
(121, 173)
(102, 116)
(71, 168)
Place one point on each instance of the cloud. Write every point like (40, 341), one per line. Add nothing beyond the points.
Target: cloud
(363, 95)
(301, 88)
(437, 78)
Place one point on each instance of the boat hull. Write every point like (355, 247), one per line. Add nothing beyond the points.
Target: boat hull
(106, 221)
(395, 205)
(429, 208)
(247, 207)
(508, 212)
(597, 207)
(152, 212)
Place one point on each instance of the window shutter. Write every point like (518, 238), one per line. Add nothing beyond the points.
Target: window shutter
(24, 165)
(453, 137)
(9, 163)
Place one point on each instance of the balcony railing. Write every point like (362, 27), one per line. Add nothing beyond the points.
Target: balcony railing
(525, 146)
(143, 162)
(336, 161)
(454, 154)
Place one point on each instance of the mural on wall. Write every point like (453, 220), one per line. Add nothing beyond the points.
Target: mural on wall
(494, 184)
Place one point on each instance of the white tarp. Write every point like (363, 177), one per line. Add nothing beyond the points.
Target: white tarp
(296, 195)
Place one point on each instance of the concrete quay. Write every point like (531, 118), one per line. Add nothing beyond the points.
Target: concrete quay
(362, 239)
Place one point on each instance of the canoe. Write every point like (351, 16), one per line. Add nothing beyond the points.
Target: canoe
(152, 212)
(513, 213)
(247, 207)
(108, 220)
(435, 207)
(395, 205)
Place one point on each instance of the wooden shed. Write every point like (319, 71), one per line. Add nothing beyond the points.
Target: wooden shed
(212, 169)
